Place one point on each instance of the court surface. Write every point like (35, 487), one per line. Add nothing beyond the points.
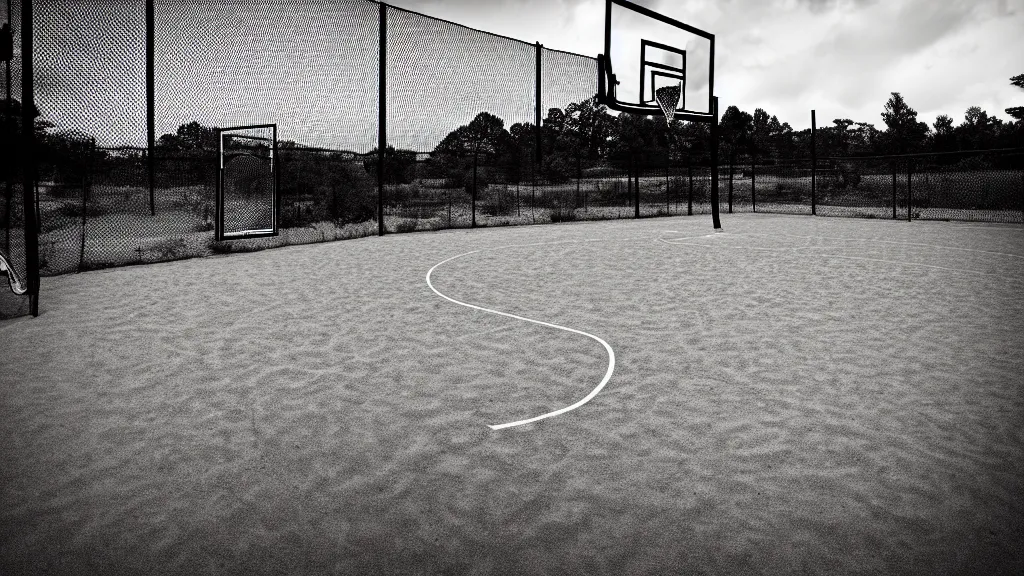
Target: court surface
(793, 395)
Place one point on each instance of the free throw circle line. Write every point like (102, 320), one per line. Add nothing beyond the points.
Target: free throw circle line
(607, 347)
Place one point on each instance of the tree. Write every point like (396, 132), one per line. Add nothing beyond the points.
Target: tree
(760, 132)
(944, 139)
(484, 136)
(978, 131)
(842, 136)
(592, 125)
(521, 153)
(191, 137)
(735, 131)
(904, 133)
(399, 165)
(864, 139)
(1017, 112)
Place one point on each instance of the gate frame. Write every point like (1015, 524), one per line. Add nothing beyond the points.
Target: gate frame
(219, 233)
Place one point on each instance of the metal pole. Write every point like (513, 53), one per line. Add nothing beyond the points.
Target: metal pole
(85, 211)
(814, 164)
(28, 144)
(668, 208)
(537, 105)
(715, 218)
(151, 103)
(636, 187)
(894, 169)
(753, 182)
(689, 205)
(731, 170)
(910, 193)
(472, 197)
(382, 113)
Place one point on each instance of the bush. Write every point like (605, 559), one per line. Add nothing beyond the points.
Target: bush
(74, 210)
(561, 214)
(483, 180)
(557, 170)
(403, 226)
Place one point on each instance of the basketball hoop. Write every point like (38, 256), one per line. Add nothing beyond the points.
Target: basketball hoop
(668, 99)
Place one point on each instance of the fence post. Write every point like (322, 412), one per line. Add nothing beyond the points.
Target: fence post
(85, 212)
(636, 187)
(689, 205)
(579, 176)
(909, 193)
(732, 168)
(472, 197)
(814, 164)
(753, 181)
(1022, 188)
(382, 114)
(536, 109)
(28, 106)
(715, 218)
(894, 169)
(668, 199)
(151, 104)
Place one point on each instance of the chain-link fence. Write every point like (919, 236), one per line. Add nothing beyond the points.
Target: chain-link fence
(977, 185)
(388, 121)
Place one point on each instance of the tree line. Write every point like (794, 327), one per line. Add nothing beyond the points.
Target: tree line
(584, 136)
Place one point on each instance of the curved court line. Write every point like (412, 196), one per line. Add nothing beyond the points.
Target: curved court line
(611, 353)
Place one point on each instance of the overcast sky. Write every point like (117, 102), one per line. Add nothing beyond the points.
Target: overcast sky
(840, 57)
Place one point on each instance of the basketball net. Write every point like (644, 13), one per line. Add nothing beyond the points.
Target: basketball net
(668, 99)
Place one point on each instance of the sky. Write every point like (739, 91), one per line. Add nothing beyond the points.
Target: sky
(311, 65)
(842, 58)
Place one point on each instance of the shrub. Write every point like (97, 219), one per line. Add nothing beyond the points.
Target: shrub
(403, 226)
(561, 214)
(170, 248)
(483, 180)
(557, 170)
(74, 210)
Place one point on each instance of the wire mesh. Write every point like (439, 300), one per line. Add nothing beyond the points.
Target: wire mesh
(455, 92)
(310, 66)
(462, 147)
(572, 127)
(14, 279)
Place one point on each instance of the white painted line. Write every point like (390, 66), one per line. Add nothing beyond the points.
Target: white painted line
(611, 353)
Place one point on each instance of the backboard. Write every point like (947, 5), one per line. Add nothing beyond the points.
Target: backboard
(644, 51)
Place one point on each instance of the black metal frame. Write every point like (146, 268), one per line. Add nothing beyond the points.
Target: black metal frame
(659, 70)
(219, 232)
(606, 81)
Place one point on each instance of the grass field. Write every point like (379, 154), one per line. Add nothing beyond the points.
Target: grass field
(794, 395)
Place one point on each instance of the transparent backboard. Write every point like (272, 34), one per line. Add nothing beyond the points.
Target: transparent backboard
(647, 50)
